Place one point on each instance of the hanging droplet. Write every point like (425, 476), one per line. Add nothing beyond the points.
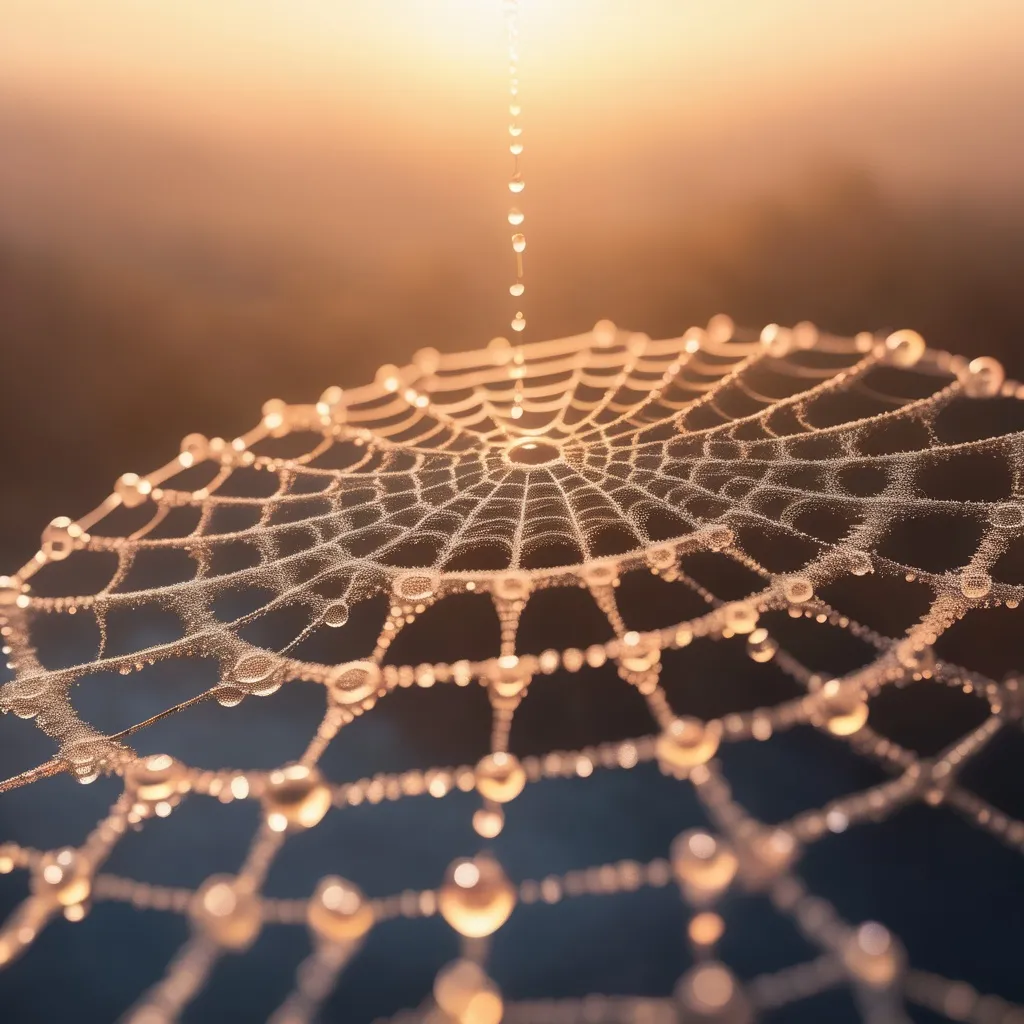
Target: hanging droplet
(488, 822)
(983, 378)
(872, 956)
(706, 929)
(515, 130)
(132, 489)
(516, 217)
(905, 347)
(975, 584)
(709, 993)
(354, 682)
(797, 589)
(228, 696)
(516, 183)
(600, 574)
(416, 584)
(765, 856)
(844, 710)
(500, 777)
(515, 148)
(63, 877)
(336, 614)
(859, 563)
(519, 322)
(703, 866)
(519, 243)
(741, 617)
(476, 897)
(60, 538)
(466, 995)
(686, 743)
(10, 591)
(227, 912)
(296, 797)
(512, 586)
(156, 778)
(255, 667)
(517, 289)
(338, 911)
(761, 647)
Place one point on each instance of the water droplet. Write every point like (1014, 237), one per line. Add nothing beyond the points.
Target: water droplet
(741, 617)
(354, 682)
(388, 377)
(336, 614)
(721, 328)
(519, 322)
(859, 563)
(983, 378)
(905, 347)
(500, 777)
(516, 183)
(975, 584)
(519, 243)
(516, 217)
(797, 589)
(296, 797)
(226, 912)
(515, 148)
(1007, 516)
(416, 584)
(517, 289)
(686, 743)
(338, 911)
(476, 897)
(604, 333)
(255, 667)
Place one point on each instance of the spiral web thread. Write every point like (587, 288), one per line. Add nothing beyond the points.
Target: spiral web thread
(628, 455)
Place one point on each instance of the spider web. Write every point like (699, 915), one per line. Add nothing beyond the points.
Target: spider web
(762, 476)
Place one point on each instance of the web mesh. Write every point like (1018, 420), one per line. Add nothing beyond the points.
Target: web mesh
(771, 485)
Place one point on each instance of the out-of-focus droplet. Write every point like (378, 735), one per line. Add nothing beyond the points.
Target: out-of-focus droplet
(983, 377)
(476, 897)
(500, 777)
(338, 911)
(905, 347)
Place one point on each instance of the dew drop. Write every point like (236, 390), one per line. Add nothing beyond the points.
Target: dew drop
(336, 614)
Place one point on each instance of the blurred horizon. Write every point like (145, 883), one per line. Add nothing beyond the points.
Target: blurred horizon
(206, 205)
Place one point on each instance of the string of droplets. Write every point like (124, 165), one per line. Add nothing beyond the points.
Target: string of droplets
(419, 416)
(516, 183)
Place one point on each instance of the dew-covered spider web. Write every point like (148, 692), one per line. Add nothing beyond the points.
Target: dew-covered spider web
(832, 509)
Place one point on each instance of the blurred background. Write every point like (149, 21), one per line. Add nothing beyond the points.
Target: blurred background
(204, 205)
